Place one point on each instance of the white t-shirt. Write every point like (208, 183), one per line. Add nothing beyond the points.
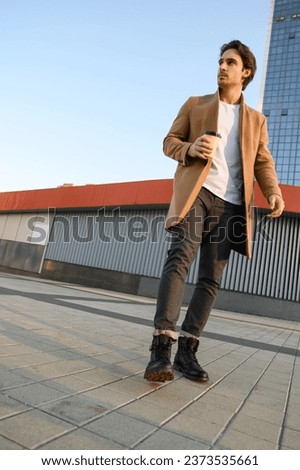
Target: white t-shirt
(225, 177)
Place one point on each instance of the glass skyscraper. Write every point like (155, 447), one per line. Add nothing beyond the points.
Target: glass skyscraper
(281, 88)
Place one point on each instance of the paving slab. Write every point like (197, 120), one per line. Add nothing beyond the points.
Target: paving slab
(72, 360)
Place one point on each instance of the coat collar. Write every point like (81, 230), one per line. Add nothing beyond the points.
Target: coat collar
(216, 96)
(212, 112)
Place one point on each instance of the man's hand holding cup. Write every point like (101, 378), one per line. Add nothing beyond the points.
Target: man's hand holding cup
(205, 146)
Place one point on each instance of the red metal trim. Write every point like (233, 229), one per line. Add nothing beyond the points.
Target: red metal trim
(137, 193)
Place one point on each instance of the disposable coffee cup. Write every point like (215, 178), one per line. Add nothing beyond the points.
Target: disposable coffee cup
(215, 139)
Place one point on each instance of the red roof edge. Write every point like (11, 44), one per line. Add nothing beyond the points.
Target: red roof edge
(136, 193)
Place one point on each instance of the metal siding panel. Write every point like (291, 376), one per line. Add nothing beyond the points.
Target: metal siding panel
(274, 268)
(262, 262)
(283, 260)
(123, 252)
(3, 220)
(292, 291)
(11, 227)
(193, 272)
(277, 259)
(245, 274)
(296, 276)
(109, 241)
(159, 247)
(231, 271)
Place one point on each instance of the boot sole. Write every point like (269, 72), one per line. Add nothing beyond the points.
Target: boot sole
(158, 376)
(190, 377)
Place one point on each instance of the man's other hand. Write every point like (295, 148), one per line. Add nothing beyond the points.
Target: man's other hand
(276, 206)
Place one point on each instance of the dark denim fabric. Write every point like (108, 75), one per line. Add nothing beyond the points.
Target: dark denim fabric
(210, 225)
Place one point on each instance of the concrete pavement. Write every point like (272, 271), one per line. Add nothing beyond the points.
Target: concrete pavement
(71, 376)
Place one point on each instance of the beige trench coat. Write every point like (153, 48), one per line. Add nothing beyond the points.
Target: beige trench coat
(200, 114)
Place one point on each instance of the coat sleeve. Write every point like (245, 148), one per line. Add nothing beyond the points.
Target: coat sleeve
(264, 168)
(175, 144)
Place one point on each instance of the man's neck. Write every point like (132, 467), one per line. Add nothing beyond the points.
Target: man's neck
(230, 96)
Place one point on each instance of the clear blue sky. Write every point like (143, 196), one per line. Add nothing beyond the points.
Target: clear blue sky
(89, 88)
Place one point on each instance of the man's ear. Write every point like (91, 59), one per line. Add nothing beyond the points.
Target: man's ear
(246, 73)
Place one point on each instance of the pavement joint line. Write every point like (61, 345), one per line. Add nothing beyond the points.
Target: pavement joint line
(84, 423)
(122, 405)
(47, 379)
(282, 425)
(231, 419)
(107, 412)
(242, 317)
(45, 441)
(194, 400)
(69, 431)
(121, 379)
(16, 413)
(136, 398)
(151, 433)
(292, 327)
(145, 300)
(94, 387)
(11, 440)
(145, 322)
(277, 339)
(234, 414)
(177, 413)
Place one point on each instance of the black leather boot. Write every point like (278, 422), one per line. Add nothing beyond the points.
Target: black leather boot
(160, 368)
(186, 361)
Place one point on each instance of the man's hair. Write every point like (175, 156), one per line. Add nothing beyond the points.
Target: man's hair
(246, 55)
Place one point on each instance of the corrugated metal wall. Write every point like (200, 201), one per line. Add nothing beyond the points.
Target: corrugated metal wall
(126, 241)
(135, 242)
(274, 270)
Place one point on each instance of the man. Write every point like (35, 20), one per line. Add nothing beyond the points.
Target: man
(211, 205)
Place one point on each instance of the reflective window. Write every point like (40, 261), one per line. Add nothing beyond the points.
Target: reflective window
(281, 101)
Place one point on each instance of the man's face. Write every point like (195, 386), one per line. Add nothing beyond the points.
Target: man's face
(231, 70)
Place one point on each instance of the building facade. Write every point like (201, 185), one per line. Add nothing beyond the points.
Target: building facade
(281, 88)
(112, 237)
